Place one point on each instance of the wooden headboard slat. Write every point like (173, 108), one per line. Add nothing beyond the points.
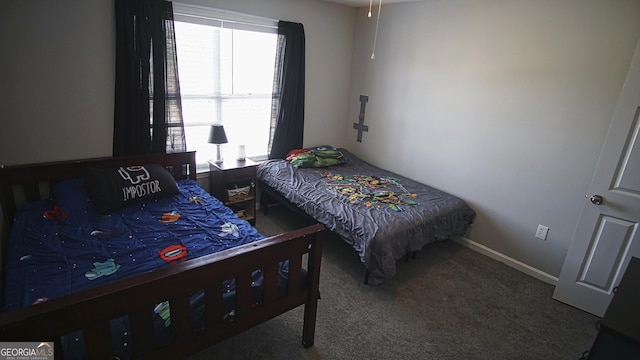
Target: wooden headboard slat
(32, 191)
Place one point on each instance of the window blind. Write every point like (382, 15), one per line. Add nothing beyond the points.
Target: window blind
(223, 18)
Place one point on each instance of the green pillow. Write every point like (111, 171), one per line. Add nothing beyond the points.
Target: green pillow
(319, 156)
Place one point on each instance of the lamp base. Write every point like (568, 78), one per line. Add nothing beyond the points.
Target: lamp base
(219, 159)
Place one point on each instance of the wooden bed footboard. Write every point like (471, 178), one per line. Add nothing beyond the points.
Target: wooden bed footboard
(91, 310)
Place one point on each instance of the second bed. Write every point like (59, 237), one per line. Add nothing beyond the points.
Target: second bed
(382, 215)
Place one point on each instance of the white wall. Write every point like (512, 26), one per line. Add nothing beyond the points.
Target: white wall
(505, 103)
(57, 87)
(57, 84)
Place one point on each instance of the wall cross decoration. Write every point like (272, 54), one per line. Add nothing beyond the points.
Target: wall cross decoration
(360, 126)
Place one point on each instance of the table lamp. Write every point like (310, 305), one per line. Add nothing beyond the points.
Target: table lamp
(217, 136)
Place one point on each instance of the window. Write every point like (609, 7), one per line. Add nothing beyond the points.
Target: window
(225, 65)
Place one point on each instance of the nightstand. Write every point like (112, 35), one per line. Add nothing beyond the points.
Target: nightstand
(234, 183)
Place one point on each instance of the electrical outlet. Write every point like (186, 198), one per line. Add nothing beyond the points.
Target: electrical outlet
(542, 232)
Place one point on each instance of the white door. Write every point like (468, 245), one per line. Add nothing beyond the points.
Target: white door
(607, 234)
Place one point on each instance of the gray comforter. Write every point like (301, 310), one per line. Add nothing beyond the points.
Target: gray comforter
(381, 214)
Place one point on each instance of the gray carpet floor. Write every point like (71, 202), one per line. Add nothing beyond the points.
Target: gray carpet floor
(449, 302)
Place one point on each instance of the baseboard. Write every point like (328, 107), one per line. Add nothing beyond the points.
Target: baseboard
(529, 270)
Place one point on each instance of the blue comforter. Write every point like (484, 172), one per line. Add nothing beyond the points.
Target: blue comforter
(63, 245)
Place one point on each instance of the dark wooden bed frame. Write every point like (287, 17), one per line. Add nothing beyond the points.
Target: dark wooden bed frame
(136, 296)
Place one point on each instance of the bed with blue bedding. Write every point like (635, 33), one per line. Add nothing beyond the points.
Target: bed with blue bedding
(382, 215)
(64, 245)
(208, 267)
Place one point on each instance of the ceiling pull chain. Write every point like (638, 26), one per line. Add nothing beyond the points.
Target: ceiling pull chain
(370, 2)
(375, 37)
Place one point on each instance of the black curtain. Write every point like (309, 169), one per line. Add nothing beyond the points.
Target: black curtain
(287, 108)
(148, 109)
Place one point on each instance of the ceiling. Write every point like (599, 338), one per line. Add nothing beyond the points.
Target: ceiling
(358, 3)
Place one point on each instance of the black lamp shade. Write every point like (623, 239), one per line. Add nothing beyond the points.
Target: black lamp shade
(217, 135)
